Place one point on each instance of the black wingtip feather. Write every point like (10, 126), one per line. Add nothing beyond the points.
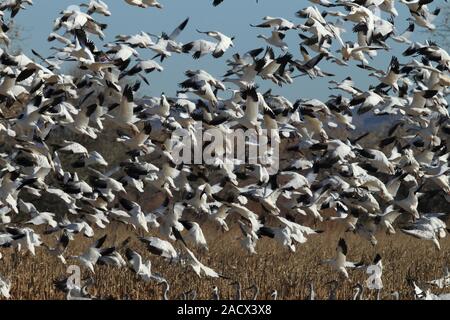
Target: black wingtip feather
(343, 245)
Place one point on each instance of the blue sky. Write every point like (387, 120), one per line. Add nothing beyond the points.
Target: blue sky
(232, 18)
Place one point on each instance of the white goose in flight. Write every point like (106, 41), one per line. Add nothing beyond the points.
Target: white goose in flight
(428, 227)
(356, 52)
(97, 6)
(145, 3)
(224, 42)
(340, 263)
(25, 237)
(60, 248)
(249, 238)
(199, 268)
(276, 23)
(142, 269)
(298, 232)
(160, 248)
(125, 117)
(91, 256)
(194, 234)
(199, 48)
(276, 39)
(217, 2)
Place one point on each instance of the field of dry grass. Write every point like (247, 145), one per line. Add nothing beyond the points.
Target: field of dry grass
(272, 268)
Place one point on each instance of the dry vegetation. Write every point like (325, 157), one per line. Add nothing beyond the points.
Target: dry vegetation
(270, 269)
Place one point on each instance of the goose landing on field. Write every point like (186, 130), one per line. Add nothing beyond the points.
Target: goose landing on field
(91, 256)
(142, 269)
(340, 263)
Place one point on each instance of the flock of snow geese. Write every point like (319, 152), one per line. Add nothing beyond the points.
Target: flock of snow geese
(370, 182)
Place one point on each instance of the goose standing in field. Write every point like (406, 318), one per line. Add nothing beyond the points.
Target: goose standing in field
(359, 292)
(238, 287)
(274, 294)
(166, 290)
(312, 293)
(334, 285)
(255, 290)
(191, 294)
(215, 294)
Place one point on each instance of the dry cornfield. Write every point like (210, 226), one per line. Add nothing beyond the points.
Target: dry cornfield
(273, 268)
